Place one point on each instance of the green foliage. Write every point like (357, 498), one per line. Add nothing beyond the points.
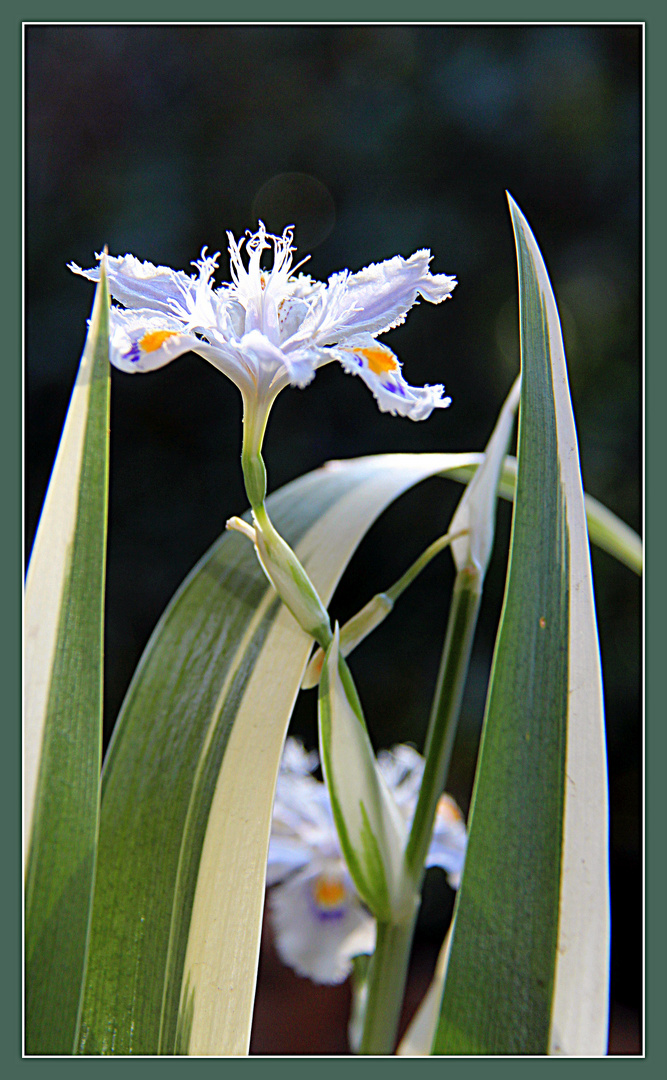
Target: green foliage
(528, 969)
(63, 715)
(167, 951)
(189, 778)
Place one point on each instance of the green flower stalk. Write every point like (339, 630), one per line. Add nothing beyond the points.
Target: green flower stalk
(376, 610)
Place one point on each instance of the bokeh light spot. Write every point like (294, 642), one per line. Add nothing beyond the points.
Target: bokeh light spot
(300, 200)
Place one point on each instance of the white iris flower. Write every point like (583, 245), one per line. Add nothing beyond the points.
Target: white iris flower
(318, 918)
(270, 328)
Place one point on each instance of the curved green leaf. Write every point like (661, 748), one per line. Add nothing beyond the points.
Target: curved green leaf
(475, 515)
(528, 969)
(189, 779)
(64, 608)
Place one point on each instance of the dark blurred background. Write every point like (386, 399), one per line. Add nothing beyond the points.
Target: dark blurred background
(372, 140)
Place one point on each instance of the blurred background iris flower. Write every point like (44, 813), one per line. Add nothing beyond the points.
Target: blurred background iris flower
(371, 140)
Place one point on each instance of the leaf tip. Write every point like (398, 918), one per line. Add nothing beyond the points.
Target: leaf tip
(515, 212)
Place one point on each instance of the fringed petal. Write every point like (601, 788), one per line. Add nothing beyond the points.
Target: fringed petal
(449, 840)
(137, 284)
(402, 768)
(270, 328)
(380, 369)
(141, 341)
(320, 924)
(379, 297)
(285, 856)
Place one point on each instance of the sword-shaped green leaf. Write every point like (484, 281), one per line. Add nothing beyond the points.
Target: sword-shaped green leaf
(529, 963)
(64, 608)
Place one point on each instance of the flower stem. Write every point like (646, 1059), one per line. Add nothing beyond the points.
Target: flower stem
(389, 965)
(376, 610)
(280, 563)
(255, 418)
(290, 579)
(386, 983)
(466, 598)
(419, 564)
(254, 477)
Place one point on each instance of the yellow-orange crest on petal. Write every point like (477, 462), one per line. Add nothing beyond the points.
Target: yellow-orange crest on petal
(379, 358)
(328, 892)
(447, 811)
(154, 339)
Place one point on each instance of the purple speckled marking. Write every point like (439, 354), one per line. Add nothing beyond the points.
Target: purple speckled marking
(133, 354)
(393, 389)
(327, 916)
